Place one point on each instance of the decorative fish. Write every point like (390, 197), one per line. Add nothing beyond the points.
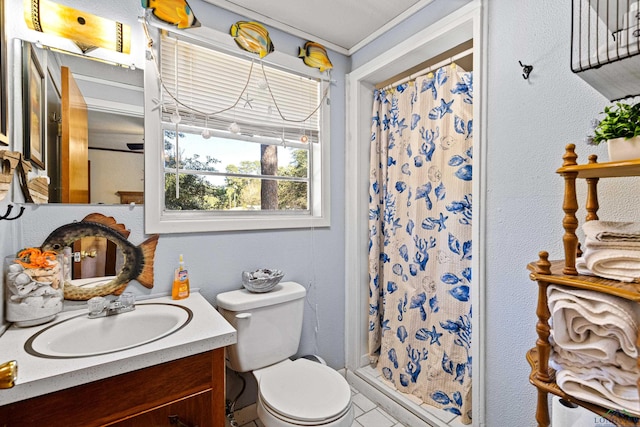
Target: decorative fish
(252, 37)
(174, 12)
(315, 55)
(138, 260)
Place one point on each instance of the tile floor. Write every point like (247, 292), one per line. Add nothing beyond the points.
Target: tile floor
(367, 414)
(421, 414)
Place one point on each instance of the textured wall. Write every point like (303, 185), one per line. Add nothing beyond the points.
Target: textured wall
(529, 123)
(105, 183)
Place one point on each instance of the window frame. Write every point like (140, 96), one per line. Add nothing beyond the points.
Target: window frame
(160, 220)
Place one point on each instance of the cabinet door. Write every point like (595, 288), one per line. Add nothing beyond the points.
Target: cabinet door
(126, 396)
(192, 411)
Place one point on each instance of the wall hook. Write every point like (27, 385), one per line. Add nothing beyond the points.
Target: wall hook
(526, 70)
(8, 212)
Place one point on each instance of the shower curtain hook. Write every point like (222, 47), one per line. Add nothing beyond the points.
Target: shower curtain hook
(526, 70)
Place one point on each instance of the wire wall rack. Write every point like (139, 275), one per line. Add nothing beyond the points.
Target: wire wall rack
(605, 45)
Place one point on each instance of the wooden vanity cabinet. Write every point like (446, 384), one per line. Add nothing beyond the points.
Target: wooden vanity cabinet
(183, 392)
(563, 272)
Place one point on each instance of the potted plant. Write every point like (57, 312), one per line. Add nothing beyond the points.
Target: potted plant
(620, 129)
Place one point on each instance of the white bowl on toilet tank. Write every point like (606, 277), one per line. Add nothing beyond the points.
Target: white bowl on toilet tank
(268, 325)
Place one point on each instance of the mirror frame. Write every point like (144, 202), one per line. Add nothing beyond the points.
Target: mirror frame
(4, 104)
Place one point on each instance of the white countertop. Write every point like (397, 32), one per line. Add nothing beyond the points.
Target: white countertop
(207, 330)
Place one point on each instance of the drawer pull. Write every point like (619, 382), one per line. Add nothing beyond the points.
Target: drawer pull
(8, 374)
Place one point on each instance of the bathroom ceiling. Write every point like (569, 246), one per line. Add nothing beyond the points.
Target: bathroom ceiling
(341, 25)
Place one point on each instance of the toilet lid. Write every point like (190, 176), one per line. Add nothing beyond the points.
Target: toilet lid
(306, 391)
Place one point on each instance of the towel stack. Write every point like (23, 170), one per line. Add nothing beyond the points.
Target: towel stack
(611, 250)
(593, 339)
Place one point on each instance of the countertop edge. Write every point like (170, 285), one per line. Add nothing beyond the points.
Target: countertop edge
(97, 368)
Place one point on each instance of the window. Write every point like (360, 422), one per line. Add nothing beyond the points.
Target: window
(244, 143)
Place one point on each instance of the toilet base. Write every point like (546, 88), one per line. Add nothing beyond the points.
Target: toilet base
(271, 420)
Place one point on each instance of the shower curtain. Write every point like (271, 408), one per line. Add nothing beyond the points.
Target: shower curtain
(420, 238)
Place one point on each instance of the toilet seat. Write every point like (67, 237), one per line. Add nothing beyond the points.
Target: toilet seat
(304, 392)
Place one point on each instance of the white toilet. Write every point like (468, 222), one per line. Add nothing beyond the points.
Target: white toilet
(290, 392)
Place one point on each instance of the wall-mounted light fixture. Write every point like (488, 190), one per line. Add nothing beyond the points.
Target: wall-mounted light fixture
(86, 30)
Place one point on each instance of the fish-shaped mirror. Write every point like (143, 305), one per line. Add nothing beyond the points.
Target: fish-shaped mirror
(137, 261)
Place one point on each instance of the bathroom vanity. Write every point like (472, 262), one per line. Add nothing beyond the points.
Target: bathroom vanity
(176, 380)
(190, 389)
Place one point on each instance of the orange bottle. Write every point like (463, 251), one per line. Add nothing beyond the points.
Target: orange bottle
(180, 288)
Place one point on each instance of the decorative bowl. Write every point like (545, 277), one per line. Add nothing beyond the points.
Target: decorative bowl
(262, 280)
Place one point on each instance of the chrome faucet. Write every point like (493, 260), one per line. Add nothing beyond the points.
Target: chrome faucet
(100, 307)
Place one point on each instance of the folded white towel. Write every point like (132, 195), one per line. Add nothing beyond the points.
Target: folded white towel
(612, 259)
(593, 323)
(612, 230)
(602, 387)
(608, 374)
(594, 345)
(570, 359)
(593, 244)
(581, 267)
(615, 264)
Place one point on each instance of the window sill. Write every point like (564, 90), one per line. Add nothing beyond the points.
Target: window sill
(183, 222)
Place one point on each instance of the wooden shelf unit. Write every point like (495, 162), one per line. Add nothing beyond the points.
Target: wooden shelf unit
(563, 272)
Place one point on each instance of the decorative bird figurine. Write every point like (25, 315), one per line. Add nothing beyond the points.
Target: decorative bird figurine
(252, 37)
(315, 55)
(174, 12)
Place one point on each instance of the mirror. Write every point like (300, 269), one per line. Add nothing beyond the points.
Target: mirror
(93, 127)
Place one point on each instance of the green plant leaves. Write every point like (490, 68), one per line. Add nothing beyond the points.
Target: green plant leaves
(620, 121)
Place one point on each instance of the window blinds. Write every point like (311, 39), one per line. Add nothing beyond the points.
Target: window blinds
(204, 84)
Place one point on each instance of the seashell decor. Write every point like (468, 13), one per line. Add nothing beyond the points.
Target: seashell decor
(33, 295)
(263, 280)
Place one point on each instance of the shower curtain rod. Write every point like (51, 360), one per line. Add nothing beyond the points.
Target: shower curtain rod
(430, 68)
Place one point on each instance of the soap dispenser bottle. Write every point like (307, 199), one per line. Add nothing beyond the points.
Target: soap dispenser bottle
(180, 288)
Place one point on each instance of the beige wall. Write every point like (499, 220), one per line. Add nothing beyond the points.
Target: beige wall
(114, 170)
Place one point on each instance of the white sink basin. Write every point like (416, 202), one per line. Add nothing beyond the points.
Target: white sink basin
(80, 336)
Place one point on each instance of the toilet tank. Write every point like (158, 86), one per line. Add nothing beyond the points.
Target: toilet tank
(268, 325)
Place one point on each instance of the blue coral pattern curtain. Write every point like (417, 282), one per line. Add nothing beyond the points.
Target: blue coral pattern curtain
(420, 238)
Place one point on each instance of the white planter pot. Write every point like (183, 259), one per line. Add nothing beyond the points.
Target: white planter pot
(623, 149)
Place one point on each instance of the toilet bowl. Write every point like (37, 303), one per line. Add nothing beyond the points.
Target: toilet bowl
(291, 393)
(303, 393)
